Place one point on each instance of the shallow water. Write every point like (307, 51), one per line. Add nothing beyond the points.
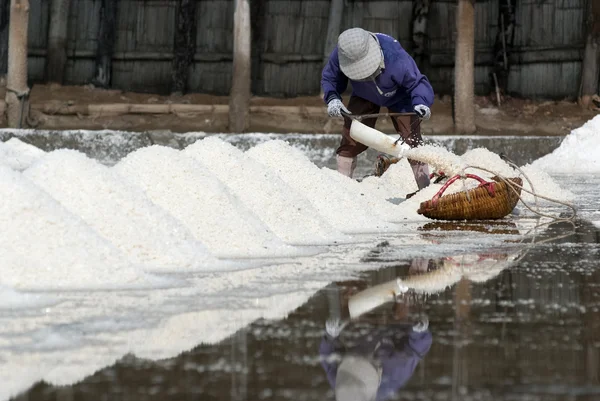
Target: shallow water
(512, 310)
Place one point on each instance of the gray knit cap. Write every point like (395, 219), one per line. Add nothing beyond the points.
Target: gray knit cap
(359, 53)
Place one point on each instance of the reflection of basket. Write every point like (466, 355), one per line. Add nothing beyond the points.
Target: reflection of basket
(489, 201)
(490, 227)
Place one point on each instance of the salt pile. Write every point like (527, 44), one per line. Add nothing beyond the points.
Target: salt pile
(119, 212)
(490, 161)
(578, 153)
(397, 181)
(438, 159)
(18, 155)
(373, 200)
(191, 193)
(543, 184)
(284, 210)
(339, 206)
(44, 246)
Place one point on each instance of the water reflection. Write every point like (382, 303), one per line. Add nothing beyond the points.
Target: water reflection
(375, 365)
(500, 328)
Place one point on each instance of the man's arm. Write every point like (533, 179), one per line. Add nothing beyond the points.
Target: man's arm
(333, 81)
(329, 350)
(415, 83)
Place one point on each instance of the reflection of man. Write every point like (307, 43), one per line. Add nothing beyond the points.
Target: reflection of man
(376, 366)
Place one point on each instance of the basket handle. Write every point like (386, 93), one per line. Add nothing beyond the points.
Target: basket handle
(489, 185)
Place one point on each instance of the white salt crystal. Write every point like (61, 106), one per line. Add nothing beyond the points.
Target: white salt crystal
(18, 155)
(339, 206)
(284, 210)
(201, 202)
(44, 246)
(438, 158)
(118, 211)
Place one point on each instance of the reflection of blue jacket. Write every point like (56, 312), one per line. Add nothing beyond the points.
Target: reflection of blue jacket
(400, 350)
(401, 82)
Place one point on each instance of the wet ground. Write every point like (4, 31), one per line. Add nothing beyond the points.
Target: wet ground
(493, 311)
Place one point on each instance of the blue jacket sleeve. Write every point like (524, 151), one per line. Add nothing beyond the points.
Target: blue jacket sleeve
(333, 80)
(399, 366)
(327, 349)
(415, 83)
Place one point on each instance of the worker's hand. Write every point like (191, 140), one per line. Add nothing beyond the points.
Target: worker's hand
(421, 326)
(335, 108)
(423, 111)
(334, 327)
(401, 288)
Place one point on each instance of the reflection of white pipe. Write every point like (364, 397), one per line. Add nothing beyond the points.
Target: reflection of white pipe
(479, 270)
(371, 298)
(376, 139)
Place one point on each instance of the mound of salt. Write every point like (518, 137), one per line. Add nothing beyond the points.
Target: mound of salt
(118, 211)
(18, 155)
(542, 183)
(396, 182)
(192, 194)
(343, 209)
(577, 153)
(484, 158)
(373, 200)
(284, 210)
(438, 159)
(46, 247)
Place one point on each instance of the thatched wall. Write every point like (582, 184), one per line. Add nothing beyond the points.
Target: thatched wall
(289, 38)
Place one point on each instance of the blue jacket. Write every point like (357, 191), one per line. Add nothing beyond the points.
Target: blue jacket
(399, 359)
(401, 82)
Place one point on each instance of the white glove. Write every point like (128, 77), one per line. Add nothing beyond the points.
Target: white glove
(401, 287)
(423, 111)
(335, 108)
(334, 327)
(421, 326)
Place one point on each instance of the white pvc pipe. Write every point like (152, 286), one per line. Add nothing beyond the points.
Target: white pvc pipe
(371, 298)
(428, 283)
(376, 139)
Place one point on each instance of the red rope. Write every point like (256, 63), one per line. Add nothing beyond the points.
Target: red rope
(490, 186)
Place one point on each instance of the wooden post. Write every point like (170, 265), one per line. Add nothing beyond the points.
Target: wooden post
(419, 29)
(106, 43)
(464, 68)
(56, 59)
(16, 80)
(336, 12)
(591, 57)
(185, 45)
(239, 98)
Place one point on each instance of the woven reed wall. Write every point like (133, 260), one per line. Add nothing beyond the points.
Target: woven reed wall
(549, 40)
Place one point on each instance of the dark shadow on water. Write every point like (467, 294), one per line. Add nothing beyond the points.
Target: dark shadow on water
(484, 326)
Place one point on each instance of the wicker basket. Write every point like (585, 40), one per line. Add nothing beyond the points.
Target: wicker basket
(489, 201)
